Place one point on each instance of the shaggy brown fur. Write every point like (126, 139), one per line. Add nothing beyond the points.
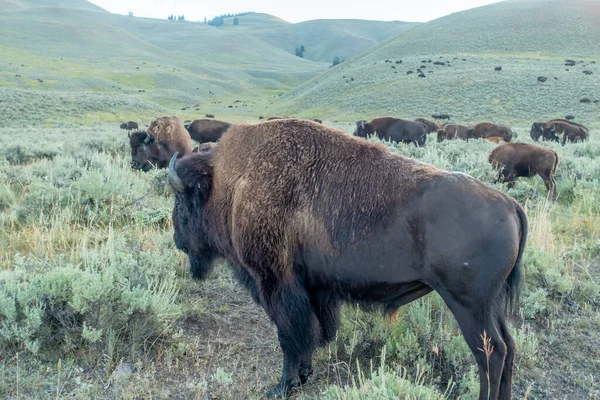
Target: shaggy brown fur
(207, 130)
(432, 126)
(309, 217)
(130, 125)
(154, 148)
(520, 159)
(453, 131)
(543, 130)
(486, 129)
(572, 133)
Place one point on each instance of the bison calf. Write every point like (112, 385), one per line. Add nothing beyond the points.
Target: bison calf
(393, 129)
(519, 159)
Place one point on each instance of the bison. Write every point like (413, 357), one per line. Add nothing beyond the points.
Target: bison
(269, 198)
(432, 126)
(453, 131)
(393, 129)
(207, 130)
(520, 159)
(486, 129)
(543, 129)
(129, 125)
(570, 130)
(154, 148)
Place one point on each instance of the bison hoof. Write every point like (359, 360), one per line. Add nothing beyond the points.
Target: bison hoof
(281, 390)
(305, 373)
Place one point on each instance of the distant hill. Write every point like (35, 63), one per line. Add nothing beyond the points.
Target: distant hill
(527, 38)
(327, 38)
(84, 54)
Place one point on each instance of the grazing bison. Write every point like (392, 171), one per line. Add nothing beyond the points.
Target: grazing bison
(207, 130)
(486, 129)
(129, 125)
(267, 199)
(571, 132)
(432, 126)
(453, 131)
(520, 159)
(317, 120)
(154, 148)
(273, 118)
(543, 129)
(440, 116)
(393, 129)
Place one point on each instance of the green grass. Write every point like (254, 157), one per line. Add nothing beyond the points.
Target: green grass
(90, 279)
(527, 39)
(93, 239)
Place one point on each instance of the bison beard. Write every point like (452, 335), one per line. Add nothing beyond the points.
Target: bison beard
(309, 217)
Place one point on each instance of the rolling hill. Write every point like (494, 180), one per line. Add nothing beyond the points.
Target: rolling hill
(90, 65)
(325, 39)
(527, 38)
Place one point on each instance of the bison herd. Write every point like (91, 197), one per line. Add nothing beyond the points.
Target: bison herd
(309, 217)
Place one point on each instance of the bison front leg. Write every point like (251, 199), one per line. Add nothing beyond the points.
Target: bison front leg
(289, 306)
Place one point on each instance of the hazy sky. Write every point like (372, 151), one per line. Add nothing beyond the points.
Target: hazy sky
(299, 10)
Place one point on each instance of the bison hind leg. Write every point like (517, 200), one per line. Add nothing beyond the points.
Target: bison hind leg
(478, 325)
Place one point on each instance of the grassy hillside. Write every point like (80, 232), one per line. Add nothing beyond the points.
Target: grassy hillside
(528, 39)
(325, 39)
(74, 57)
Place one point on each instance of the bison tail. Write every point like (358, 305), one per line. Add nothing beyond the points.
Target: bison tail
(514, 282)
(556, 161)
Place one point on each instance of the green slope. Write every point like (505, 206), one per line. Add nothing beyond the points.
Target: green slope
(527, 39)
(83, 56)
(324, 39)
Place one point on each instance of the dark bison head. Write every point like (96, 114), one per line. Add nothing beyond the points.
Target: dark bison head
(124, 125)
(144, 151)
(191, 180)
(549, 132)
(537, 130)
(363, 129)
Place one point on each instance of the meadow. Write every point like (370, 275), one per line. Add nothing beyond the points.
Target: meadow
(96, 302)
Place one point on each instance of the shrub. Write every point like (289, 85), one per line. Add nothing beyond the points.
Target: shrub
(116, 294)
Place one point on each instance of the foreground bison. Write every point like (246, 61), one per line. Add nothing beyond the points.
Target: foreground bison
(520, 159)
(154, 148)
(308, 217)
(207, 130)
(129, 125)
(432, 126)
(488, 129)
(393, 129)
(453, 131)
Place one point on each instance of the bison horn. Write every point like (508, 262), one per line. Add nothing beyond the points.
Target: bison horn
(174, 179)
